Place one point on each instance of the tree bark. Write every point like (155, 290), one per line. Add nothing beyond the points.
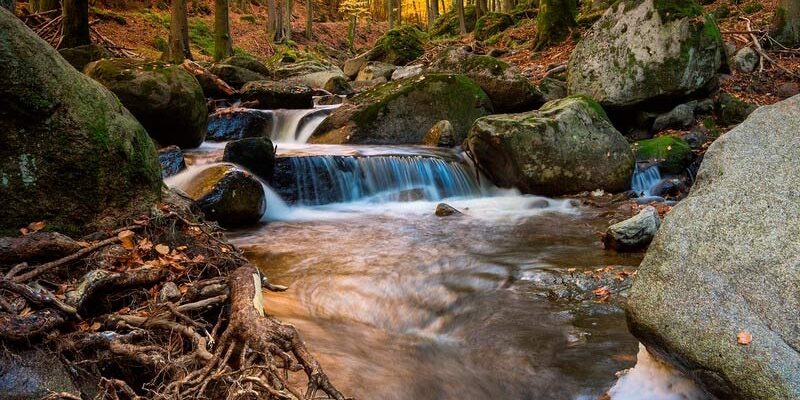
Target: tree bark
(178, 49)
(555, 19)
(786, 28)
(351, 31)
(309, 19)
(506, 6)
(38, 6)
(223, 43)
(390, 13)
(462, 25)
(76, 23)
(434, 10)
(272, 20)
(287, 20)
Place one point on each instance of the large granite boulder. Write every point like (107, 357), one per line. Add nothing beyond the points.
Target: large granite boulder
(646, 50)
(80, 56)
(508, 89)
(567, 146)
(725, 262)
(401, 112)
(165, 98)
(71, 154)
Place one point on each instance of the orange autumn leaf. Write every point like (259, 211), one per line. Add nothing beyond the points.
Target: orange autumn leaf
(162, 249)
(744, 338)
(37, 226)
(126, 239)
(601, 292)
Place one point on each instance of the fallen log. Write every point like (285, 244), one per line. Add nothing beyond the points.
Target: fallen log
(198, 70)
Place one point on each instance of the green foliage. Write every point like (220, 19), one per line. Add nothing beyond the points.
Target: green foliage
(492, 24)
(160, 44)
(752, 7)
(157, 19)
(672, 154)
(238, 51)
(248, 18)
(202, 36)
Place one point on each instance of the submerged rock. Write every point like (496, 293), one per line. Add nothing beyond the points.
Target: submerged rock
(256, 154)
(274, 95)
(80, 56)
(401, 112)
(171, 159)
(446, 210)
(231, 197)
(634, 233)
(71, 154)
(231, 124)
(568, 146)
(508, 89)
(725, 261)
(165, 98)
(644, 50)
(441, 135)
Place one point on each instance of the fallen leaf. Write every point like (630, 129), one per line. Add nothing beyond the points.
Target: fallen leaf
(95, 327)
(744, 338)
(601, 291)
(162, 249)
(83, 243)
(145, 244)
(36, 226)
(23, 231)
(126, 239)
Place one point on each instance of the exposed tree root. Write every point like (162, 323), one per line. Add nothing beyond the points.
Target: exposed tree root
(180, 315)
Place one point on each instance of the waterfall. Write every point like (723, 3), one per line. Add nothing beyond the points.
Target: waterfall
(296, 126)
(323, 179)
(644, 179)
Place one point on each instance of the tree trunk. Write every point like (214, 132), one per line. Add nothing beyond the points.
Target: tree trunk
(555, 19)
(223, 43)
(309, 18)
(351, 31)
(287, 20)
(390, 13)
(76, 23)
(480, 10)
(178, 49)
(38, 6)
(272, 20)
(434, 10)
(786, 28)
(506, 8)
(462, 26)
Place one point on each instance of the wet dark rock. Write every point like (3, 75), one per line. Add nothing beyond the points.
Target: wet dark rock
(80, 56)
(635, 233)
(165, 98)
(695, 139)
(171, 159)
(704, 107)
(274, 95)
(681, 116)
(329, 100)
(231, 197)
(598, 285)
(33, 374)
(670, 188)
(446, 210)
(256, 154)
(241, 123)
(234, 75)
(441, 134)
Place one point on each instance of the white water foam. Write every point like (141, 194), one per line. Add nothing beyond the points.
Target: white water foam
(651, 379)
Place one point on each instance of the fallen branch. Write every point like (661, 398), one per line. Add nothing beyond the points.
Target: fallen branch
(198, 70)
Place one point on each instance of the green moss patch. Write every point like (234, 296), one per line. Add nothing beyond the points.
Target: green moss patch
(673, 155)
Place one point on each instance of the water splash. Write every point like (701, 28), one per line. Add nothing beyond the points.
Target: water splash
(651, 379)
(644, 180)
(324, 179)
(296, 126)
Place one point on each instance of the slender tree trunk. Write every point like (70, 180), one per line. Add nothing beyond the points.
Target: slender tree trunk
(272, 20)
(555, 19)
(462, 25)
(351, 31)
(506, 6)
(309, 18)
(76, 23)
(479, 11)
(399, 12)
(434, 10)
(223, 43)
(786, 28)
(390, 13)
(178, 49)
(38, 6)
(287, 20)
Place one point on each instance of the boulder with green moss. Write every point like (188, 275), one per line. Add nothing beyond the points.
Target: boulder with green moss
(672, 155)
(401, 112)
(398, 46)
(234, 75)
(278, 95)
(71, 154)
(508, 89)
(165, 98)
(79, 56)
(447, 24)
(567, 146)
(248, 63)
(730, 110)
(492, 24)
(647, 50)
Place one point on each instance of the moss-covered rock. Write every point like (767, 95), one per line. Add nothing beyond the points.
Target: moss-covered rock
(730, 110)
(508, 89)
(672, 155)
(401, 112)
(553, 89)
(567, 146)
(398, 46)
(79, 56)
(274, 95)
(234, 75)
(645, 50)
(165, 98)
(226, 194)
(249, 63)
(71, 154)
(492, 24)
(447, 23)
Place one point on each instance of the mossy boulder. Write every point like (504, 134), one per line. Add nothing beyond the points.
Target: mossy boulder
(234, 75)
(303, 68)
(508, 89)
(492, 24)
(228, 195)
(730, 110)
(552, 89)
(165, 98)
(568, 146)
(646, 50)
(79, 56)
(257, 154)
(399, 46)
(71, 154)
(447, 24)
(278, 95)
(725, 261)
(248, 63)
(672, 155)
(401, 112)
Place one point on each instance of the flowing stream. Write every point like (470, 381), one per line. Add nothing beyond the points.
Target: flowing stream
(399, 304)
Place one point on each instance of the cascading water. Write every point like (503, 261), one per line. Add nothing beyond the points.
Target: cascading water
(296, 126)
(315, 180)
(644, 179)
